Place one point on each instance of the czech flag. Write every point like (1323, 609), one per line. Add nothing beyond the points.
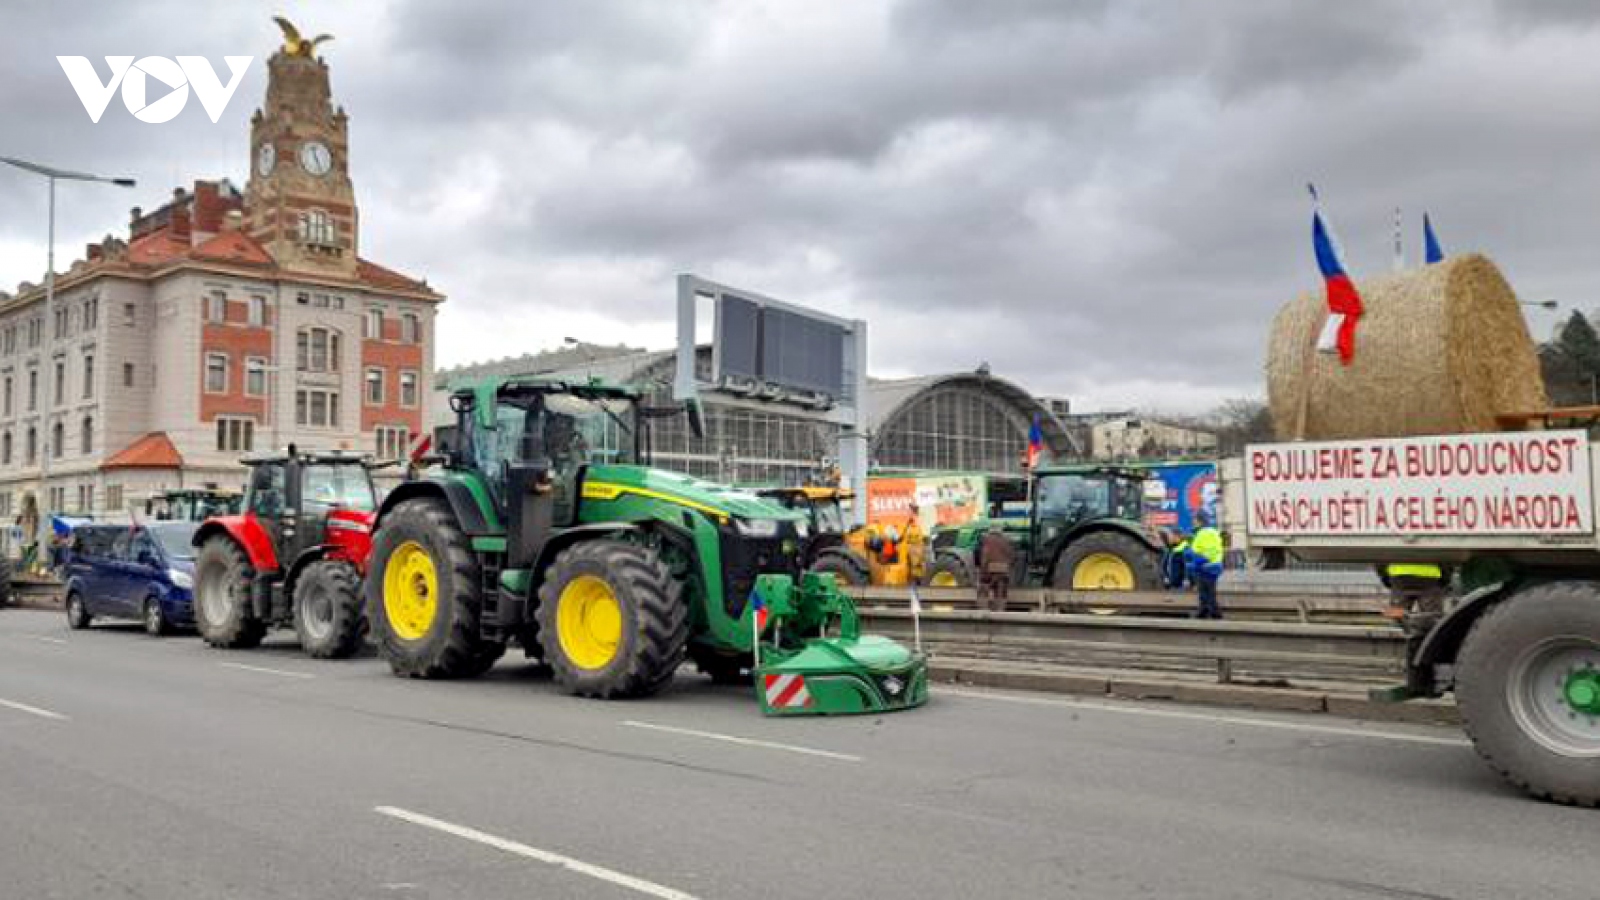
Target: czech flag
(1035, 442)
(760, 612)
(1344, 303)
(1430, 242)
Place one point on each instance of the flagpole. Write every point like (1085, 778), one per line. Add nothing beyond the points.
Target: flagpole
(755, 634)
(916, 617)
(1399, 247)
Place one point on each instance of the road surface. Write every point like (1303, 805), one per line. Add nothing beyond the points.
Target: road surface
(161, 768)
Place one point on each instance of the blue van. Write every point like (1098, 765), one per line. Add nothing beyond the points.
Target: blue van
(139, 572)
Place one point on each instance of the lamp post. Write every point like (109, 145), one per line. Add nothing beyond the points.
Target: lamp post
(1541, 304)
(52, 175)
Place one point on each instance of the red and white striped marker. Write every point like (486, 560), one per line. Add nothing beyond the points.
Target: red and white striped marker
(787, 692)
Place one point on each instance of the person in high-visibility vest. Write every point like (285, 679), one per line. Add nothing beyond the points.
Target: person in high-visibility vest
(1416, 593)
(1205, 565)
(1174, 560)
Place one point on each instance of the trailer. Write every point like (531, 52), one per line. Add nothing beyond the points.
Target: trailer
(1510, 519)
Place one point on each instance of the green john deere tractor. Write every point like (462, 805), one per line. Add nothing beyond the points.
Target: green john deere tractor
(1083, 532)
(539, 524)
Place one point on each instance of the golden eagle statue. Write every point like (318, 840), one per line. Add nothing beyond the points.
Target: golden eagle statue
(294, 44)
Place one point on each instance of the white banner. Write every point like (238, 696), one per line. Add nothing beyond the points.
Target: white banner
(1467, 484)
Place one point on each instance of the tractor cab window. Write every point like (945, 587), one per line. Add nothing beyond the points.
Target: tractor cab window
(266, 491)
(588, 431)
(829, 519)
(330, 485)
(1073, 497)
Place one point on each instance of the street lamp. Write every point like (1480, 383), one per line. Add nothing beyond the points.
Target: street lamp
(1542, 304)
(52, 175)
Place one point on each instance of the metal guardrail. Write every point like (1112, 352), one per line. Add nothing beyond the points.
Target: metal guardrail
(1305, 607)
(1273, 650)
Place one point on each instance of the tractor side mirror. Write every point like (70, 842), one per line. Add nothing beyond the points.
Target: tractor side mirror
(697, 420)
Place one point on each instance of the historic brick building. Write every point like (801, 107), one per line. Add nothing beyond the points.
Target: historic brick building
(227, 322)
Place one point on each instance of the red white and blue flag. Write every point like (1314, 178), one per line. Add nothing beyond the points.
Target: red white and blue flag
(759, 612)
(1344, 303)
(1035, 442)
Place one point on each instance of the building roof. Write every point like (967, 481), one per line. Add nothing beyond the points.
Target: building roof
(153, 451)
(888, 399)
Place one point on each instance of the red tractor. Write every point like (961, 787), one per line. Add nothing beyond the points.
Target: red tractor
(294, 557)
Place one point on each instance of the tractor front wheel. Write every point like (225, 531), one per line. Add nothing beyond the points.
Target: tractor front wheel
(222, 578)
(328, 609)
(612, 620)
(846, 568)
(424, 594)
(949, 570)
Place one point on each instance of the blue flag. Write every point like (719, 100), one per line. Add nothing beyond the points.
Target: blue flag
(1430, 241)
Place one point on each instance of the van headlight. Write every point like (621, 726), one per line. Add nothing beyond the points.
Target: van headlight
(757, 528)
(181, 579)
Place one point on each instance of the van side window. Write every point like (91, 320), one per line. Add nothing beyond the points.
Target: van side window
(120, 546)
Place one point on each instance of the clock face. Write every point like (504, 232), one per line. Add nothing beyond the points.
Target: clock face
(266, 158)
(315, 157)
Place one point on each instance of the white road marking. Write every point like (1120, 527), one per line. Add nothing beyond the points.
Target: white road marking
(45, 638)
(545, 856)
(33, 710)
(1156, 712)
(265, 671)
(747, 742)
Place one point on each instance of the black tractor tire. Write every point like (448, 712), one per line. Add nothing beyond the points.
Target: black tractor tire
(451, 646)
(654, 633)
(78, 617)
(1141, 560)
(222, 579)
(329, 611)
(1498, 683)
(951, 567)
(7, 570)
(850, 569)
(155, 621)
(484, 660)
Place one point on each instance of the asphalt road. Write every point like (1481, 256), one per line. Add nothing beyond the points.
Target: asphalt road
(137, 767)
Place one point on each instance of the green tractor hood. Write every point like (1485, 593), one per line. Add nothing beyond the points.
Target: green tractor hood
(719, 501)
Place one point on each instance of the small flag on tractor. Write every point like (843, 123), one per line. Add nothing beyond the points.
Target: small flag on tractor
(1035, 443)
(1344, 303)
(758, 624)
(1430, 242)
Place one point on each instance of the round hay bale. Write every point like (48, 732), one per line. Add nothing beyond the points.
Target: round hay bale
(1439, 350)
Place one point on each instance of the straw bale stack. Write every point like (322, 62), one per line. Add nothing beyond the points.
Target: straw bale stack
(1440, 349)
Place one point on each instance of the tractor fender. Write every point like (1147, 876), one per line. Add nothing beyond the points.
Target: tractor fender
(246, 531)
(592, 530)
(469, 515)
(1440, 645)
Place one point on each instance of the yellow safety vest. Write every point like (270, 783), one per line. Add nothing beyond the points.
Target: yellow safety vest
(1207, 543)
(1415, 570)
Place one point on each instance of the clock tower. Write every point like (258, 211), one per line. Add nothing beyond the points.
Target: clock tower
(300, 204)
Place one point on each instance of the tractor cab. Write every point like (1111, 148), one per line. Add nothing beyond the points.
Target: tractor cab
(294, 554)
(833, 546)
(192, 504)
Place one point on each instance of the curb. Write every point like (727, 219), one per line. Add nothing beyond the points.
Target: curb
(1152, 687)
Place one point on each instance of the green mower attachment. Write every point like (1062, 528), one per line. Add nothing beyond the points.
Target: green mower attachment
(803, 670)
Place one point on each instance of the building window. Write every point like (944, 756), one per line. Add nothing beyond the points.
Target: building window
(258, 311)
(316, 409)
(5, 449)
(113, 497)
(408, 389)
(235, 435)
(317, 228)
(33, 389)
(317, 350)
(255, 377)
(372, 325)
(127, 374)
(7, 397)
(11, 339)
(58, 440)
(303, 298)
(338, 302)
(61, 381)
(216, 373)
(30, 447)
(392, 441)
(58, 498)
(86, 498)
(88, 375)
(130, 314)
(374, 387)
(86, 438)
(35, 331)
(217, 306)
(63, 322)
(91, 314)
(410, 329)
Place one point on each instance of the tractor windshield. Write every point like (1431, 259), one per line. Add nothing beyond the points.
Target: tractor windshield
(342, 485)
(1073, 497)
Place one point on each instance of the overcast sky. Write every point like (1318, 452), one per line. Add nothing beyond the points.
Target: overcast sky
(1104, 200)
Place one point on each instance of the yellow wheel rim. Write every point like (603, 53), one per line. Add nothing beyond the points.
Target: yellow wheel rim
(943, 579)
(1102, 572)
(410, 591)
(589, 622)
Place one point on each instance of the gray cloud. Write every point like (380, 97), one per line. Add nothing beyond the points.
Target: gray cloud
(1104, 200)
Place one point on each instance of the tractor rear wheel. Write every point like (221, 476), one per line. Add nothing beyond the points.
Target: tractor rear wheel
(328, 609)
(846, 568)
(612, 620)
(424, 593)
(1107, 561)
(222, 579)
(1528, 684)
(949, 570)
